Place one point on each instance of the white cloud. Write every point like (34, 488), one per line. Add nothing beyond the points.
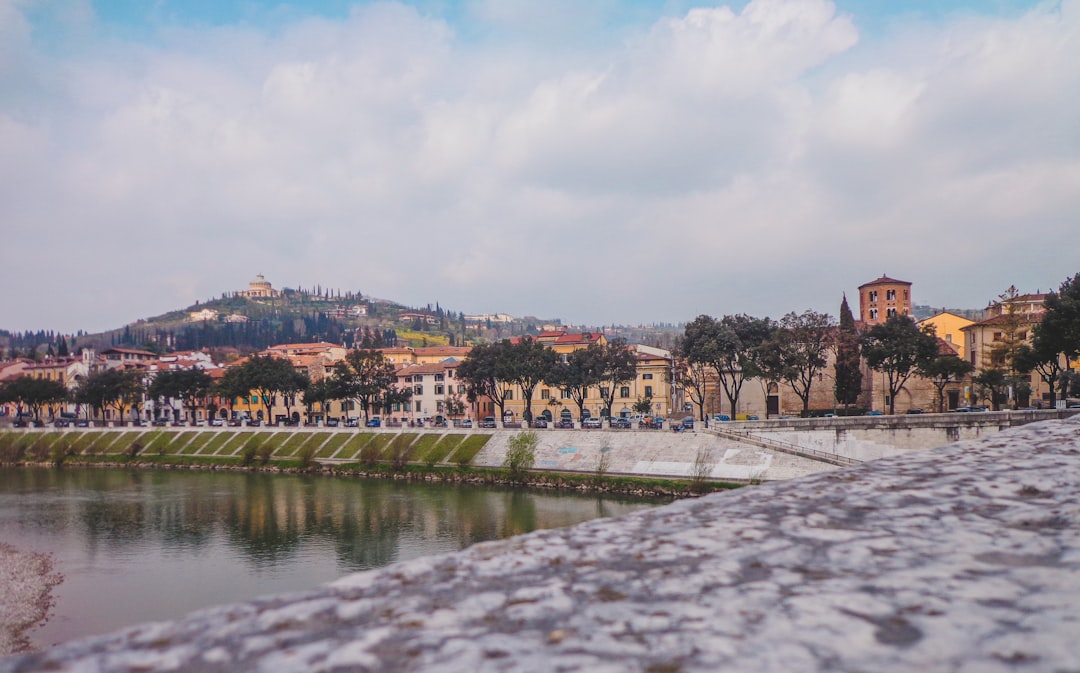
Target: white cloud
(761, 161)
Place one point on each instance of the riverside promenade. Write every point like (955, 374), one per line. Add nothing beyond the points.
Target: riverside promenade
(961, 558)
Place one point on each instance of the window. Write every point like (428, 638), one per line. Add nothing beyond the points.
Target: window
(948, 337)
(565, 393)
(418, 390)
(545, 394)
(509, 395)
(890, 295)
(397, 406)
(604, 392)
(461, 389)
(624, 392)
(873, 295)
(440, 406)
(647, 377)
(440, 390)
(648, 391)
(890, 312)
(997, 336)
(419, 408)
(440, 377)
(873, 314)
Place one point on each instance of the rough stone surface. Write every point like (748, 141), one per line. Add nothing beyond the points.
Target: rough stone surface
(26, 583)
(964, 558)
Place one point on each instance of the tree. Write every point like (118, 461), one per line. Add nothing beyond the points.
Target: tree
(797, 351)
(119, 388)
(992, 384)
(847, 370)
(1055, 340)
(693, 377)
(520, 454)
(480, 371)
(526, 363)
(945, 369)
(268, 376)
(231, 386)
(186, 385)
(1000, 356)
(583, 369)
(730, 347)
(35, 393)
(898, 348)
(618, 365)
(369, 378)
(321, 392)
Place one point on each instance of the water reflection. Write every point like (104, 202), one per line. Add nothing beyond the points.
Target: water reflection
(222, 536)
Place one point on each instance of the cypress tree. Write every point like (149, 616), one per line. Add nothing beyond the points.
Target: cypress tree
(848, 372)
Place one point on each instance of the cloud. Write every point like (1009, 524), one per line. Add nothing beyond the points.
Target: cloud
(761, 160)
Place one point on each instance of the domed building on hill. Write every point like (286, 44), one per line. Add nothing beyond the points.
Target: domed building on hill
(259, 288)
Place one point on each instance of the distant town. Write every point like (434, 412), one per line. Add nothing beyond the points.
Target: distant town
(333, 358)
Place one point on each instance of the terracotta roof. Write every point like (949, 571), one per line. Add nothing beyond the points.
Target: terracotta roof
(582, 338)
(431, 368)
(132, 351)
(1005, 319)
(946, 348)
(884, 280)
(442, 350)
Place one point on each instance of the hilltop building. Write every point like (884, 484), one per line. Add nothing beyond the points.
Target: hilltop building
(259, 288)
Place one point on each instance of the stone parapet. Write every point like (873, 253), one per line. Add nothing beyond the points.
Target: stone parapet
(962, 558)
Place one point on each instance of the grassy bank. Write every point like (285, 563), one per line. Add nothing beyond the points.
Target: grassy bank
(406, 455)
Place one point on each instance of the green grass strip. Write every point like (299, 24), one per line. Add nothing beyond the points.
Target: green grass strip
(201, 439)
(355, 444)
(84, 440)
(443, 448)
(216, 442)
(178, 441)
(402, 442)
(423, 445)
(469, 448)
(156, 441)
(99, 439)
(123, 442)
(233, 445)
(278, 440)
(325, 444)
(295, 440)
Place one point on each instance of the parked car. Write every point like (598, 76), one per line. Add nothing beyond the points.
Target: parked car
(488, 422)
(620, 422)
(873, 412)
(540, 422)
(565, 424)
(914, 411)
(721, 418)
(216, 422)
(463, 423)
(61, 423)
(82, 423)
(254, 422)
(374, 422)
(592, 422)
(332, 422)
(688, 423)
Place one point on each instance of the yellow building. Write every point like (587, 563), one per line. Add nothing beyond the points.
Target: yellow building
(949, 327)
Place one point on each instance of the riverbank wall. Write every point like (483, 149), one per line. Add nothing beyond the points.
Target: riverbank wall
(961, 558)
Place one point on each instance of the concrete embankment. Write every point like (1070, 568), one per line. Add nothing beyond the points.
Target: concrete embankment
(662, 454)
(962, 558)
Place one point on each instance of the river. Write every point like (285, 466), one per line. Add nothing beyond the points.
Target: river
(141, 545)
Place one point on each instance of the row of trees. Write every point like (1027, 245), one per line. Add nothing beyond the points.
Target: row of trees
(364, 376)
(795, 350)
(492, 370)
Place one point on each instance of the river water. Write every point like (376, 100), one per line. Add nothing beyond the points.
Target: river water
(142, 545)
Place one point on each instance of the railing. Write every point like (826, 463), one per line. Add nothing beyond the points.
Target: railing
(784, 447)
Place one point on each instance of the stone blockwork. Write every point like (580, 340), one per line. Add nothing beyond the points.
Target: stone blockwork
(963, 558)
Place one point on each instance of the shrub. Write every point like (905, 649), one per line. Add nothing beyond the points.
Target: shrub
(133, 449)
(306, 455)
(702, 470)
(401, 451)
(520, 454)
(59, 453)
(247, 455)
(369, 455)
(263, 453)
(603, 464)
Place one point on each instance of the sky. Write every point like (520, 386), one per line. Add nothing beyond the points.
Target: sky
(601, 162)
